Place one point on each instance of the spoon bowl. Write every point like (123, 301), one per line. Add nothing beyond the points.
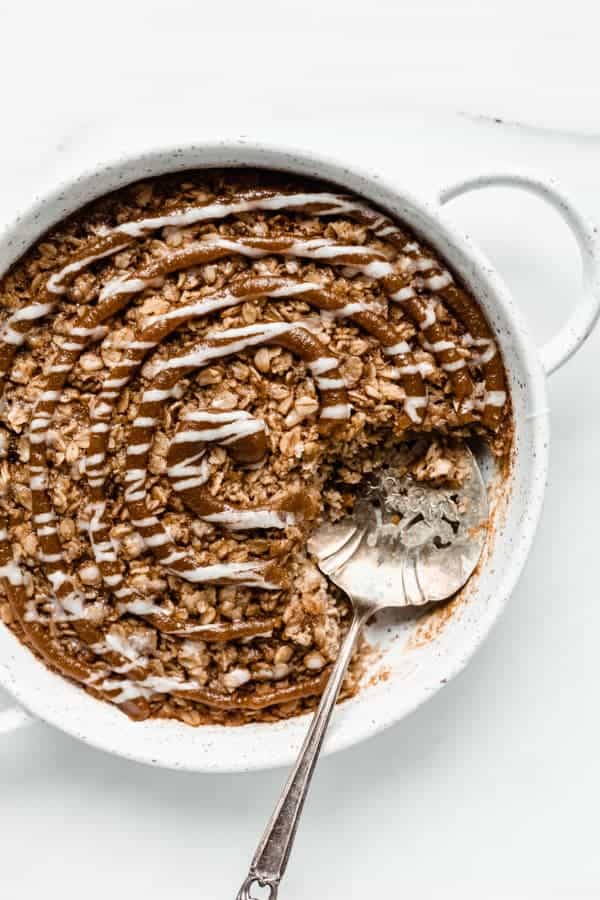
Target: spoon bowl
(407, 543)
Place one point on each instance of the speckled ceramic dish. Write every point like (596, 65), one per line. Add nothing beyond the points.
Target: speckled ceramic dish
(416, 656)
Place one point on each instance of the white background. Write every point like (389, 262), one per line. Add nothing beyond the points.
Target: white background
(492, 789)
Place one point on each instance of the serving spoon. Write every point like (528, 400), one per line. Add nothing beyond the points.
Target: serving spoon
(406, 544)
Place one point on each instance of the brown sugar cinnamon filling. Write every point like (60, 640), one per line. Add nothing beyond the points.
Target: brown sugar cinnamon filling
(197, 369)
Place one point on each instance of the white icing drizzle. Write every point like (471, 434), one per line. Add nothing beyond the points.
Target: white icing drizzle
(421, 367)
(138, 449)
(144, 422)
(55, 283)
(12, 572)
(191, 475)
(236, 424)
(121, 285)
(494, 398)
(147, 522)
(247, 337)
(405, 293)
(454, 366)
(239, 519)
(487, 355)
(156, 396)
(33, 311)
(438, 282)
(396, 349)
(439, 346)
(98, 331)
(488, 352)
(336, 411)
(322, 365)
(247, 573)
(430, 316)
(148, 687)
(333, 203)
(424, 264)
(138, 607)
(330, 384)
(350, 309)
(44, 518)
(412, 405)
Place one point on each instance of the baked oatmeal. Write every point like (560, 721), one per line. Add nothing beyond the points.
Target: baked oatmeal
(197, 370)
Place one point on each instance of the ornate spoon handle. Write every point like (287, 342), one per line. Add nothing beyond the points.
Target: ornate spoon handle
(272, 854)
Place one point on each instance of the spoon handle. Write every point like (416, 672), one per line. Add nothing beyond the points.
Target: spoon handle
(272, 854)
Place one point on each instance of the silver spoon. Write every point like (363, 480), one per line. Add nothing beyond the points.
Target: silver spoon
(406, 544)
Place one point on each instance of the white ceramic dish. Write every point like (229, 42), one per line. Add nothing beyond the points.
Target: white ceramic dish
(416, 669)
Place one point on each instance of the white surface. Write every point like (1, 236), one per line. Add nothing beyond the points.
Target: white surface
(492, 789)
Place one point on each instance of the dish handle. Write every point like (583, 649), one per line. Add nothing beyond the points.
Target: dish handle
(582, 319)
(13, 718)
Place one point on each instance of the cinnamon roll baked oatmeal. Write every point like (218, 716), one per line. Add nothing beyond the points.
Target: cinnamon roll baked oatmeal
(197, 369)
